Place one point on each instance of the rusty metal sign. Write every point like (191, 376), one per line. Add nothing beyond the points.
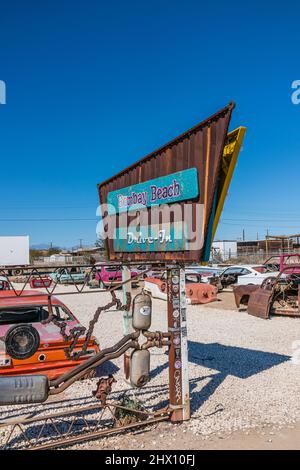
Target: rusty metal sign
(163, 207)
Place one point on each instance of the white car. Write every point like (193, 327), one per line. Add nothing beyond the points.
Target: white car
(248, 274)
(207, 272)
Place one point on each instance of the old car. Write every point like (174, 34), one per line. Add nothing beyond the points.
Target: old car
(283, 260)
(277, 295)
(244, 274)
(4, 284)
(196, 291)
(106, 275)
(69, 275)
(29, 346)
(209, 274)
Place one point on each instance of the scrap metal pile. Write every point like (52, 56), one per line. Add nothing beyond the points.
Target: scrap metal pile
(275, 296)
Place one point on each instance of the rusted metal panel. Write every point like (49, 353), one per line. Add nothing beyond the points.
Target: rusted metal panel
(242, 294)
(260, 302)
(200, 147)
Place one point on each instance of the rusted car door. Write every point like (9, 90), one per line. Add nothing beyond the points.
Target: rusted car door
(260, 303)
(242, 294)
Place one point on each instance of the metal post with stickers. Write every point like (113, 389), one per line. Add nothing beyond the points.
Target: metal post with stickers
(179, 401)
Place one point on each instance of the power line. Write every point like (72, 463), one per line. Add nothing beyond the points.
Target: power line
(262, 220)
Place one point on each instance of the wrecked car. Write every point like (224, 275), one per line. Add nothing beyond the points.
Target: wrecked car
(28, 345)
(197, 292)
(284, 260)
(277, 295)
(245, 274)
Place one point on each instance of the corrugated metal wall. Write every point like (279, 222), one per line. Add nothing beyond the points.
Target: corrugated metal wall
(200, 147)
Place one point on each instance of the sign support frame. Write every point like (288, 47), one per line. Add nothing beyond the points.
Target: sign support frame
(179, 387)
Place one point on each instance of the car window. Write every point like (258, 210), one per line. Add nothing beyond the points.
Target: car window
(110, 268)
(245, 271)
(23, 314)
(32, 314)
(260, 269)
(291, 259)
(233, 271)
(61, 313)
(192, 278)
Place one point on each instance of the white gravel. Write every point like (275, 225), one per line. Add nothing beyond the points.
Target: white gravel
(241, 373)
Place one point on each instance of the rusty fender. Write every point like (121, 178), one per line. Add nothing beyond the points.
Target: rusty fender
(242, 294)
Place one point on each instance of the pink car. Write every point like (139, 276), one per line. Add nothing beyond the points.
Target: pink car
(107, 275)
(284, 261)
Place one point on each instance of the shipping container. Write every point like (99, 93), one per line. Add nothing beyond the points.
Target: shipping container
(14, 251)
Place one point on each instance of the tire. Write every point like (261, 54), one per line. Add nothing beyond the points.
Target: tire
(22, 341)
(17, 272)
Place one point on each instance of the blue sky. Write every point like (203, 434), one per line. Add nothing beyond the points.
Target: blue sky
(92, 86)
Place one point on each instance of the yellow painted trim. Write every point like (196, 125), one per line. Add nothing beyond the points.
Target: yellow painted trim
(206, 174)
(230, 154)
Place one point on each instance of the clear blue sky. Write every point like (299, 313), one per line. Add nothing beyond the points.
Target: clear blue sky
(92, 86)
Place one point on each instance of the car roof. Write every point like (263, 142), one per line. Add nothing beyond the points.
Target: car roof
(246, 266)
(21, 298)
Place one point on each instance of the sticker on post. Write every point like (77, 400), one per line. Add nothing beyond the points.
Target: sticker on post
(184, 331)
(176, 313)
(177, 353)
(177, 364)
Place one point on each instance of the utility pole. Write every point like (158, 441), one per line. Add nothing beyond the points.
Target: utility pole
(80, 242)
(243, 234)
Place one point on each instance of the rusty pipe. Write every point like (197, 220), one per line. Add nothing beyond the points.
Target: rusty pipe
(156, 334)
(69, 382)
(92, 362)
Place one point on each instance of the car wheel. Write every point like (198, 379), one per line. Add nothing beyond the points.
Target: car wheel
(17, 272)
(22, 341)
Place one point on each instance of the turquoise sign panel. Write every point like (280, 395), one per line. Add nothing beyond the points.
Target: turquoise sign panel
(163, 237)
(175, 187)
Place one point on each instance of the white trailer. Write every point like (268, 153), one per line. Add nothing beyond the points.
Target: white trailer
(14, 252)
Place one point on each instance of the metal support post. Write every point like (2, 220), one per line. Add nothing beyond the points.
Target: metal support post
(178, 349)
(127, 319)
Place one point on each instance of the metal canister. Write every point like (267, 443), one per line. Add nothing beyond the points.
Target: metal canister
(141, 311)
(140, 367)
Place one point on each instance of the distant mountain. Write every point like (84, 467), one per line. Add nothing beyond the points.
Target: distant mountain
(43, 246)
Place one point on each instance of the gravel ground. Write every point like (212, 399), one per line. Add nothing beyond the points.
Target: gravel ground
(240, 368)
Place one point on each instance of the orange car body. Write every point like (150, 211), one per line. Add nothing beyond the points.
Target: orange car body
(196, 292)
(50, 358)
